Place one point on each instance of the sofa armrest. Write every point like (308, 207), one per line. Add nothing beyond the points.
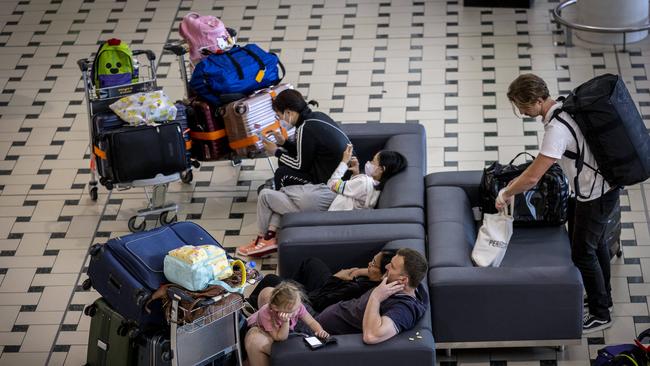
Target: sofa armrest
(341, 246)
(470, 304)
(468, 180)
(376, 216)
(350, 350)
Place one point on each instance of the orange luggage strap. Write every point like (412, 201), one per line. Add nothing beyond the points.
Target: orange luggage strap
(188, 144)
(208, 136)
(252, 140)
(99, 152)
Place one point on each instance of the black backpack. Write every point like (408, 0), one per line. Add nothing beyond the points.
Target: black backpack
(613, 129)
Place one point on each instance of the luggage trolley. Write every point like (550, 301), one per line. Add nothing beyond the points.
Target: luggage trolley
(214, 334)
(180, 49)
(98, 101)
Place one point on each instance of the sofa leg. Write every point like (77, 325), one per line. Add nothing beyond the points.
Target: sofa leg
(560, 348)
(448, 352)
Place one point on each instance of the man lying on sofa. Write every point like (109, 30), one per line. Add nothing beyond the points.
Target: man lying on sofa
(394, 306)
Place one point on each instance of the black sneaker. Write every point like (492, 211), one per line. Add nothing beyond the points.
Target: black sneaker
(270, 184)
(592, 324)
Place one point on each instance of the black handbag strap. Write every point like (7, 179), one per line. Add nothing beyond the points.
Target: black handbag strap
(255, 57)
(520, 154)
(240, 72)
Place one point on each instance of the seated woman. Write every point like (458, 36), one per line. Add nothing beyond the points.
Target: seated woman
(360, 191)
(324, 288)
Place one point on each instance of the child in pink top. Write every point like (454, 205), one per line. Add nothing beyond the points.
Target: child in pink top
(274, 320)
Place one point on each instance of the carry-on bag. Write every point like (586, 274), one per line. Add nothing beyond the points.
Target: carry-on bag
(636, 354)
(249, 120)
(613, 129)
(545, 204)
(240, 70)
(208, 134)
(154, 348)
(493, 238)
(126, 270)
(142, 152)
(109, 337)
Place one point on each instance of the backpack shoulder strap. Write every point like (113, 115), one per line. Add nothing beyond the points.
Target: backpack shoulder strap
(578, 156)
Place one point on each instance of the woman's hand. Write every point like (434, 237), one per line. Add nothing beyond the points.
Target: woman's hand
(347, 154)
(279, 138)
(346, 274)
(270, 147)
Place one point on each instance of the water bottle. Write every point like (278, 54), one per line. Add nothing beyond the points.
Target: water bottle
(250, 268)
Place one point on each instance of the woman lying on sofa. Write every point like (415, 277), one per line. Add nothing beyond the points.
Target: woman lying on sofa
(324, 288)
(359, 192)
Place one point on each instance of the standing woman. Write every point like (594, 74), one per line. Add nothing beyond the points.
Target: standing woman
(319, 144)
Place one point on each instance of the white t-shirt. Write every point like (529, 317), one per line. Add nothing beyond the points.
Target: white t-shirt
(558, 139)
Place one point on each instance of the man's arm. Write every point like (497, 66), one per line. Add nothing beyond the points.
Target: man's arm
(377, 328)
(529, 177)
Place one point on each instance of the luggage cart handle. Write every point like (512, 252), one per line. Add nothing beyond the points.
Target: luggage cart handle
(151, 56)
(83, 64)
(175, 48)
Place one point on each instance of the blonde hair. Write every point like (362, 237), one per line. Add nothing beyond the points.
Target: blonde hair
(526, 89)
(286, 293)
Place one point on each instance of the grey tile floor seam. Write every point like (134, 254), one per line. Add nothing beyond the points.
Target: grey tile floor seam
(433, 62)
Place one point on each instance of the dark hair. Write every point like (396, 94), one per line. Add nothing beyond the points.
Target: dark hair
(386, 256)
(291, 99)
(415, 265)
(393, 163)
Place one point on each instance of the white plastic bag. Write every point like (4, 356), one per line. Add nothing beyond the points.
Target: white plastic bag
(493, 238)
(145, 108)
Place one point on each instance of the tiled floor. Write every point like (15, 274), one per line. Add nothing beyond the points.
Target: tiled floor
(431, 62)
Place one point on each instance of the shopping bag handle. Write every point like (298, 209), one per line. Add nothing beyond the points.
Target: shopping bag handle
(504, 210)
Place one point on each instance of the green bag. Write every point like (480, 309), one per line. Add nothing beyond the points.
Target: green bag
(110, 337)
(113, 65)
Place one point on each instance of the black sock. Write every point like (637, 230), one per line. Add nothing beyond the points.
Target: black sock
(270, 234)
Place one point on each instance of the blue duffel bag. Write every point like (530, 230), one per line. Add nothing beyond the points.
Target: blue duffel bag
(240, 71)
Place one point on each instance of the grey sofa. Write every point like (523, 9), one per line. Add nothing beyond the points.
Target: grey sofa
(402, 199)
(534, 298)
(344, 247)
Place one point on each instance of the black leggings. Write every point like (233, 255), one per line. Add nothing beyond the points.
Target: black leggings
(285, 176)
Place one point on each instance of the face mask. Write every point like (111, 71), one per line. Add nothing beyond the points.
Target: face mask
(369, 169)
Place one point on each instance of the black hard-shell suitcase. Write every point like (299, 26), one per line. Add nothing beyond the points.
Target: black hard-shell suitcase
(154, 349)
(109, 338)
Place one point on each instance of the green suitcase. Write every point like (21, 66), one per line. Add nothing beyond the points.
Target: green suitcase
(109, 339)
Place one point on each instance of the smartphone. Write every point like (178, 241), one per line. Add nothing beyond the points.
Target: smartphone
(314, 342)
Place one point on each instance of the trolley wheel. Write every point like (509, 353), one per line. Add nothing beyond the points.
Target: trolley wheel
(166, 220)
(235, 161)
(187, 177)
(86, 284)
(619, 253)
(133, 228)
(90, 310)
(93, 193)
(196, 164)
(109, 185)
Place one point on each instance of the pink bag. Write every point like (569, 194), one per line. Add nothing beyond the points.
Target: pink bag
(204, 32)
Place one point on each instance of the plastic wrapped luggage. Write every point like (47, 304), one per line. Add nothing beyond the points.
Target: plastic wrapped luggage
(109, 337)
(126, 270)
(125, 154)
(209, 141)
(248, 119)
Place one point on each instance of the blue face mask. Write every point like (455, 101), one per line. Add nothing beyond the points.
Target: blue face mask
(369, 169)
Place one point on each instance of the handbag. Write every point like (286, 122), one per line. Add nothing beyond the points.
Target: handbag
(493, 238)
(545, 204)
(197, 267)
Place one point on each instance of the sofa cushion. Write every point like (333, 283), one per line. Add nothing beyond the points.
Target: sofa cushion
(412, 147)
(539, 247)
(405, 189)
